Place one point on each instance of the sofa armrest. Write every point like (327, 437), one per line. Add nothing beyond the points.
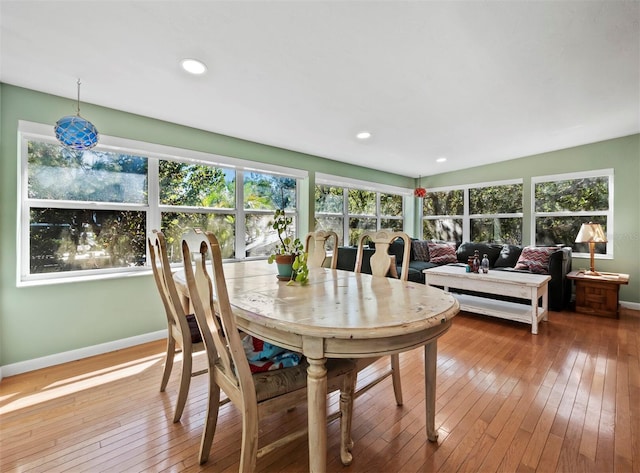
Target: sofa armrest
(560, 286)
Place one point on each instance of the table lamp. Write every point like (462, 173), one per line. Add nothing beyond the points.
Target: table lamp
(591, 233)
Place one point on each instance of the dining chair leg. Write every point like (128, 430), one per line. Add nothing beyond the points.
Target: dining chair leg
(168, 362)
(395, 377)
(249, 448)
(185, 381)
(210, 421)
(346, 415)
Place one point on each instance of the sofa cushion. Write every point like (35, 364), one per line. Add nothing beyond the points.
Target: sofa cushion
(416, 268)
(422, 265)
(468, 248)
(508, 257)
(420, 250)
(413, 275)
(347, 258)
(442, 253)
(535, 259)
(397, 248)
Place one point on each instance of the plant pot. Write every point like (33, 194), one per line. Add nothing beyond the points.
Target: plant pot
(284, 263)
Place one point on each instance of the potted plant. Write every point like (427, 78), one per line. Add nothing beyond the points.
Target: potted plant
(289, 254)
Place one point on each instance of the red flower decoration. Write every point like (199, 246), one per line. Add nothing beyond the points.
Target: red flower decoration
(420, 192)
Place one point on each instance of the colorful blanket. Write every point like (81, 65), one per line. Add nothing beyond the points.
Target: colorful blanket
(263, 356)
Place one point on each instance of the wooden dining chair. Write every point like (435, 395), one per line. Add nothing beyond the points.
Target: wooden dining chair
(182, 328)
(383, 264)
(256, 395)
(317, 250)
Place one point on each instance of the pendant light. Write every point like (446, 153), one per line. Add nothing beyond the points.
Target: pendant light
(74, 132)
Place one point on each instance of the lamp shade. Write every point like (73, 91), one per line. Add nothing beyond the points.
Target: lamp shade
(591, 233)
(75, 132)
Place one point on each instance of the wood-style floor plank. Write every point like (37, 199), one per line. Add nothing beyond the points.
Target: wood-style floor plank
(567, 399)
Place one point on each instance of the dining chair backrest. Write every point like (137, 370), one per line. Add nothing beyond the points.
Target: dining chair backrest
(315, 244)
(210, 300)
(182, 331)
(176, 317)
(381, 262)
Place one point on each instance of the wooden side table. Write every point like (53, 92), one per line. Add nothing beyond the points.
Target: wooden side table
(598, 294)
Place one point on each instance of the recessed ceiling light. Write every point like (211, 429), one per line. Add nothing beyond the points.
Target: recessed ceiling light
(363, 135)
(441, 160)
(193, 66)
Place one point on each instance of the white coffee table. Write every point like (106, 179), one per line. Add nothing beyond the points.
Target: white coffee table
(532, 287)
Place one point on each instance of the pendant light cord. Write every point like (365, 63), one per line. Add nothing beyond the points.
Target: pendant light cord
(78, 112)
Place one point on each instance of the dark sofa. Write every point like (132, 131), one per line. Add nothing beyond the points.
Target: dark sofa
(501, 258)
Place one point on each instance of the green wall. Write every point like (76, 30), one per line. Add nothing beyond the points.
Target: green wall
(38, 321)
(621, 154)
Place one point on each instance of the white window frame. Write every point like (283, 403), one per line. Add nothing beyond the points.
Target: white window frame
(466, 215)
(608, 173)
(356, 184)
(153, 152)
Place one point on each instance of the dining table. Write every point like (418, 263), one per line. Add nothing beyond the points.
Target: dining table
(338, 314)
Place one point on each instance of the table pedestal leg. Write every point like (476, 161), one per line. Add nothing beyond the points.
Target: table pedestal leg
(317, 415)
(430, 360)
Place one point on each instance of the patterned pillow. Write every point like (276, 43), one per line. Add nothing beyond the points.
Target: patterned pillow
(420, 250)
(442, 253)
(535, 259)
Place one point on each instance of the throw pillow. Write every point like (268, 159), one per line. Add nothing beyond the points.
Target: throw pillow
(535, 259)
(442, 253)
(421, 250)
(509, 255)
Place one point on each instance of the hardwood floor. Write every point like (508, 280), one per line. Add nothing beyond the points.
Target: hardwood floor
(567, 399)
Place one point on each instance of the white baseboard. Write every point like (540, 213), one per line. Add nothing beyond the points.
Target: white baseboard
(72, 355)
(59, 358)
(630, 305)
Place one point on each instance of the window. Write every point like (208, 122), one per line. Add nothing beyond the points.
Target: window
(391, 207)
(88, 212)
(483, 213)
(329, 209)
(196, 195)
(361, 213)
(443, 215)
(496, 213)
(562, 203)
(354, 207)
(263, 194)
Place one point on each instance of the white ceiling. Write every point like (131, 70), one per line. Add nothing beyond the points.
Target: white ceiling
(473, 81)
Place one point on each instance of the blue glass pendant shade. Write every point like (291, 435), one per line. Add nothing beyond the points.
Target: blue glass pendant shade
(75, 132)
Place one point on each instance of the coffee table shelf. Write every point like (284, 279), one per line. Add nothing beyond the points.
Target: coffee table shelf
(495, 308)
